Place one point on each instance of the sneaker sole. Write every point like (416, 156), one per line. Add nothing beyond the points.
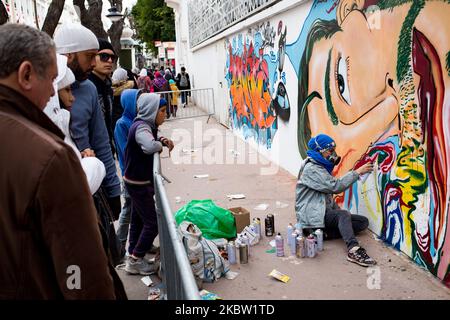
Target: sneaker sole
(132, 272)
(361, 263)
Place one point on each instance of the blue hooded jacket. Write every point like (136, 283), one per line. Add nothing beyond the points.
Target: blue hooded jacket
(128, 101)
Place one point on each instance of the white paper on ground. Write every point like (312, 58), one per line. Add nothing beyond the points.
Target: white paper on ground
(230, 275)
(200, 176)
(177, 199)
(261, 207)
(272, 243)
(147, 281)
(235, 196)
(281, 205)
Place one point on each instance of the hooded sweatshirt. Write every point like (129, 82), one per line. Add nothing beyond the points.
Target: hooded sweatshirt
(128, 101)
(142, 141)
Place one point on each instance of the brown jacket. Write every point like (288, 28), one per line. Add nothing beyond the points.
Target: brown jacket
(48, 224)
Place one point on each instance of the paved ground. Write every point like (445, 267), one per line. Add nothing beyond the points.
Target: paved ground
(328, 276)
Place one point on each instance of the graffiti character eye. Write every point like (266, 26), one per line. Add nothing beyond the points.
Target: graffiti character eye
(342, 79)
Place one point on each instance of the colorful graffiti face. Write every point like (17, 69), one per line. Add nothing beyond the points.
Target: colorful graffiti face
(258, 96)
(377, 80)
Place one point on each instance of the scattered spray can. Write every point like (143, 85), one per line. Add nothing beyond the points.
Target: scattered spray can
(289, 231)
(300, 247)
(293, 243)
(272, 218)
(231, 252)
(319, 239)
(268, 227)
(257, 224)
(311, 246)
(246, 240)
(243, 253)
(279, 244)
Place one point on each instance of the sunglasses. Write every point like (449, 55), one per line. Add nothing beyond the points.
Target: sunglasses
(104, 57)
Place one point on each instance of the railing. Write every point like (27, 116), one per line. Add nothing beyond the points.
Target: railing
(177, 277)
(200, 102)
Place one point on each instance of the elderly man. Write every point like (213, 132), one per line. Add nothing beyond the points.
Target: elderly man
(88, 125)
(48, 225)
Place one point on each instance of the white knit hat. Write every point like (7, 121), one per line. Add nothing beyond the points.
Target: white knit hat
(65, 75)
(70, 38)
(119, 74)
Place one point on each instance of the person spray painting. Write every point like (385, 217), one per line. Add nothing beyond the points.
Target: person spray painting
(315, 207)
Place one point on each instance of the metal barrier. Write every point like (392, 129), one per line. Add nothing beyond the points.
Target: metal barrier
(177, 277)
(200, 103)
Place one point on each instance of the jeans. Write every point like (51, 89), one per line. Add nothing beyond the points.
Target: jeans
(341, 223)
(144, 223)
(184, 96)
(124, 218)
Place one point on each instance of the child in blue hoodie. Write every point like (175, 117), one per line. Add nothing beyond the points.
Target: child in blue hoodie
(143, 142)
(128, 101)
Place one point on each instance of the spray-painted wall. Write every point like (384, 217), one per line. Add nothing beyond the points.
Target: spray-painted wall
(374, 75)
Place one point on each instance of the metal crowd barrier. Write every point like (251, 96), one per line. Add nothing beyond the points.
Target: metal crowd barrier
(200, 103)
(177, 277)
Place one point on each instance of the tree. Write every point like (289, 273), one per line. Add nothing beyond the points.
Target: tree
(3, 13)
(53, 15)
(153, 20)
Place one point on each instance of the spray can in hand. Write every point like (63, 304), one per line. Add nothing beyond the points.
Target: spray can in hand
(279, 244)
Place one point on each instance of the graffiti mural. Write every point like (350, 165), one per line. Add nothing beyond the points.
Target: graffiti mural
(256, 80)
(375, 76)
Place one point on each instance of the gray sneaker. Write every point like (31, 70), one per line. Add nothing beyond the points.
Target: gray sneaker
(140, 266)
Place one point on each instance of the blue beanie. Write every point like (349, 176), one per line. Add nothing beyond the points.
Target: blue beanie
(321, 142)
(162, 102)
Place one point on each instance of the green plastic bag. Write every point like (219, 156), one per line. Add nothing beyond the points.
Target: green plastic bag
(214, 222)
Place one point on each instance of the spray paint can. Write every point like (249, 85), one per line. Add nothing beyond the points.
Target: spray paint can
(243, 253)
(311, 246)
(318, 234)
(289, 231)
(268, 227)
(246, 240)
(293, 243)
(272, 218)
(279, 244)
(257, 224)
(231, 252)
(300, 247)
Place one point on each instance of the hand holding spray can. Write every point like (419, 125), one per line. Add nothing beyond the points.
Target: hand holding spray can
(279, 244)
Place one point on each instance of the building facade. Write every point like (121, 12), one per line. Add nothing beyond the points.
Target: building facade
(374, 75)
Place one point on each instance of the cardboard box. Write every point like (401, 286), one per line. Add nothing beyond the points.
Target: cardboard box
(241, 217)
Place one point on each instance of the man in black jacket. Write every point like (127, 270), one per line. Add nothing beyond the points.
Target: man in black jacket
(101, 77)
(183, 83)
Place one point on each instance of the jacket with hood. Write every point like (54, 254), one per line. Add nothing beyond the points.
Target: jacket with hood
(128, 102)
(314, 193)
(48, 222)
(89, 131)
(143, 141)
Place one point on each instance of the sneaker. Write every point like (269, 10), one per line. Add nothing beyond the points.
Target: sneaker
(140, 266)
(359, 255)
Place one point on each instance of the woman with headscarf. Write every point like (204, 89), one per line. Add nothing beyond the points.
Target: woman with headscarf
(144, 82)
(162, 85)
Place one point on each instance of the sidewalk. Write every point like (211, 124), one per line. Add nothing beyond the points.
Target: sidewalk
(328, 276)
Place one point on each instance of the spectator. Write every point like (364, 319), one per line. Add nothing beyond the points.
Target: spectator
(174, 98)
(142, 143)
(92, 167)
(120, 82)
(162, 85)
(128, 101)
(183, 83)
(45, 203)
(88, 127)
(144, 82)
(101, 78)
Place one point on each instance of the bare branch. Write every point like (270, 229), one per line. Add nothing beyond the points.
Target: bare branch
(53, 15)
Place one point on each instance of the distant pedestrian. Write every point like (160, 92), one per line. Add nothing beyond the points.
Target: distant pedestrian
(144, 81)
(143, 142)
(174, 98)
(162, 85)
(315, 206)
(184, 83)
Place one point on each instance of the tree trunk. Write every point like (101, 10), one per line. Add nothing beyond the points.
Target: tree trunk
(115, 31)
(3, 13)
(53, 15)
(91, 18)
(36, 18)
